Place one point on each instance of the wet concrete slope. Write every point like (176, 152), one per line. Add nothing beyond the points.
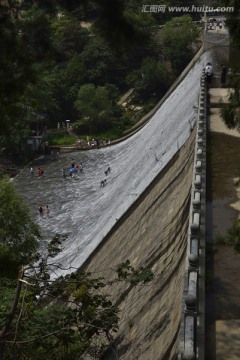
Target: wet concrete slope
(86, 212)
(141, 214)
(152, 233)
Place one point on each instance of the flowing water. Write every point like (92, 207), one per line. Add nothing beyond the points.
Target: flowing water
(85, 211)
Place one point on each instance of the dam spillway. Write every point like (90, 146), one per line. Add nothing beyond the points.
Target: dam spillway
(152, 233)
(142, 214)
(82, 209)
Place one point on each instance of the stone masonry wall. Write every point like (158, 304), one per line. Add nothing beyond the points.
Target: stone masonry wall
(152, 233)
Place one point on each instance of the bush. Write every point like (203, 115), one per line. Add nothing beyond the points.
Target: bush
(61, 138)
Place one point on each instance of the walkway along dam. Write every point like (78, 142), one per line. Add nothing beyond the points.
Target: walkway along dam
(142, 214)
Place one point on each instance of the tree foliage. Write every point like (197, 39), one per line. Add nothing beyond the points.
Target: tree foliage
(232, 237)
(152, 78)
(68, 37)
(18, 233)
(230, 112)
(233, 20)
(15, 72)
(179, 36)
(61, 319)
(45, 317)
(53, 54)
(96, 106)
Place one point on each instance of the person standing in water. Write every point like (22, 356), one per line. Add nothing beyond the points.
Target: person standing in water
(40, 209)
(47, 210)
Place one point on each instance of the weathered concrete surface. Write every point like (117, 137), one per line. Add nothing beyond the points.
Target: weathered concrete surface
(152, 233)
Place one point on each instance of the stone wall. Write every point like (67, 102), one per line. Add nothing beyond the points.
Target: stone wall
(152, 233)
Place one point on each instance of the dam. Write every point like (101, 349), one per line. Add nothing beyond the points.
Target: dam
(142, 214)
(85, 211)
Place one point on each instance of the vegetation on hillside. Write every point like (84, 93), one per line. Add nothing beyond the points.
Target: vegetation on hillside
(64, 60)
(64, 318)
(61, 50)
(230, 113)
(18, 233)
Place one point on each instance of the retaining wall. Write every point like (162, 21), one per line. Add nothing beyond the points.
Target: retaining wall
(152, 233)
(163, 320)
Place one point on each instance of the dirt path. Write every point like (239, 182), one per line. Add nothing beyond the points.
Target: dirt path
(222, 271)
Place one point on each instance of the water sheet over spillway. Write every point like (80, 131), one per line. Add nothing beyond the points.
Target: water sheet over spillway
(84, 210)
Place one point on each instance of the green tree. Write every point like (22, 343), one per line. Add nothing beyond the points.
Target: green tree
(15, 72)
(153, 78)
(99, 60)
(97, 107)
(28, 35)
(18, 233)
(180, 37)
(35, 31)
(232, 237)
(68, 37)
(233, 20)
(230, 112)
(63, 319)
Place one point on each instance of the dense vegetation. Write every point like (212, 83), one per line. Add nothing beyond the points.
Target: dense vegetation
(233, 20)
(44, 318)
(61, 60)
(231, 112)
(71, 61)
(18, 233)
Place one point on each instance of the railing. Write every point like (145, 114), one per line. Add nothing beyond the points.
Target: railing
(192, 331)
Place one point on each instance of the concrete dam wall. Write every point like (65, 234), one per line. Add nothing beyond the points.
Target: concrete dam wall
(141, 215)
(152, 233)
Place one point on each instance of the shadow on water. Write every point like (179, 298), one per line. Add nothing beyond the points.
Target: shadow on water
(222, 167)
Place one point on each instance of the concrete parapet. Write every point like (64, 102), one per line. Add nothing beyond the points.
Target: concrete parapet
(199, 166)
(198, 181)
(193, 257)
(197, 200)
(189, 341)
(190, 347)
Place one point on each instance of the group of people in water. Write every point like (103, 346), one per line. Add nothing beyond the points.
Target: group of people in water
(103, 182)
(73, 171)
(40, 171)
(209, 74)
(44, 209)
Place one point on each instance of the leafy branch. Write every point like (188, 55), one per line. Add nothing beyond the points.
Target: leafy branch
(65, 316)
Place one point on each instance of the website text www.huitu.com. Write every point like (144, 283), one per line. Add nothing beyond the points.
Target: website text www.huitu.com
(186, 9)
